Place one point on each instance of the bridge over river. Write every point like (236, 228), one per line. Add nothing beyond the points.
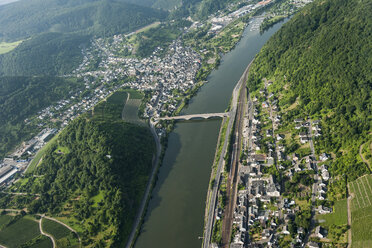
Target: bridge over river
(195, 116)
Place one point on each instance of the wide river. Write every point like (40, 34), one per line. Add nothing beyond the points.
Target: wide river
(175, 215)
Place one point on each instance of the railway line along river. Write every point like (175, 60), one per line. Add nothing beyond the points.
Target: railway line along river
(175, 215)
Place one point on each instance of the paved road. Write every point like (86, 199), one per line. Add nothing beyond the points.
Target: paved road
(349, 238)
(155, 163)
(315, 184)
(213, 200)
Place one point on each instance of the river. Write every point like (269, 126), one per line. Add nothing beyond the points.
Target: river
(175, 215)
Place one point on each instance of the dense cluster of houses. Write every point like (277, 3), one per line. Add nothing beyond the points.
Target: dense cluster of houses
(168, 77)
(260, 204)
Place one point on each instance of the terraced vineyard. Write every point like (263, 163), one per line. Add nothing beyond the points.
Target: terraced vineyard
(361, 211)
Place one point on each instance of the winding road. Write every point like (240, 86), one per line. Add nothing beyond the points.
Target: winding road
(46, 234)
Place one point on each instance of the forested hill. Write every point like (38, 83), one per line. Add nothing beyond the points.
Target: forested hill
(55, 31)
(92, 176)
(25, 18)
(45, 54)
(321, 63)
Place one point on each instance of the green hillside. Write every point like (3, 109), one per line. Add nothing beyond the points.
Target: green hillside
(321, 64)
(45, 54)
(23, 19)
(93, 175)
(23, 97)
(54, 32)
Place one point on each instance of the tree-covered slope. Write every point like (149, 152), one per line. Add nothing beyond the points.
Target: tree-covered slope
(23, 19)
(321, 64)
(93, 175)
(45, 54)
(54, 31)
(23, 97)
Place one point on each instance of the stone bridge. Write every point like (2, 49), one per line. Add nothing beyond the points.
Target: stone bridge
(194, 116)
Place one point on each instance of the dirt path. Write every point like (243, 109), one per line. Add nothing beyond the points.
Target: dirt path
(18, 193)
(349, 240)
(45, 234)
(364, 160)
(63, 224)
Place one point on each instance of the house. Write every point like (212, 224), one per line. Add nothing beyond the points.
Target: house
(320, 232)
(323, 210)
(313, 245)
(303, 140)
(285, 230)
(321, 197)
(325, 175)
(266, 233)
(298, 126)
(259, 157)
(303, 134)
(324, 156)
(272, 191)
(316, 122)
(299, 120)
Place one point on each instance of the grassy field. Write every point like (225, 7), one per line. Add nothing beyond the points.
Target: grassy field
(62, 149)
(337, 217)
(148, 27)
(361, 211)
(19, 232)
(97, 198)
(7, 47)
(63, 236)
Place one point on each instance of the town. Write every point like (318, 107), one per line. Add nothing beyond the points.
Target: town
(169, 78)
(279, 190)
(265, 211)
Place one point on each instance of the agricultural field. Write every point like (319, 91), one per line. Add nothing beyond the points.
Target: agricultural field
(7, 47)
(111, 107)
(361, 211)
(63, 236)
(130, 112)
(20, 231)
(41, 242)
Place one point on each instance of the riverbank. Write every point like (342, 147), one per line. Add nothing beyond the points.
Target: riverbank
(190, 154)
